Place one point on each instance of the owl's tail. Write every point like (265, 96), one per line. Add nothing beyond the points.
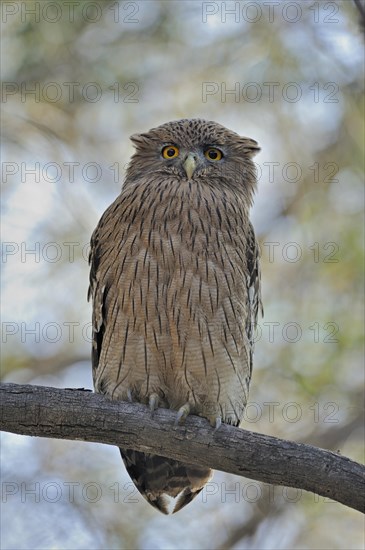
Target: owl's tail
(158, 478)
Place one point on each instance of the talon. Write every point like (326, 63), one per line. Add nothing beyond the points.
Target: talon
(218, 423)
(153, 401)
(182, 413)
(129, 395)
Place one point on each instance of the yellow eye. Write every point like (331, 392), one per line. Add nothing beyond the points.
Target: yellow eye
(213, 154)
(170, 152)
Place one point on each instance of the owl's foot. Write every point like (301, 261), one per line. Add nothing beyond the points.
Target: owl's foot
(182, 413)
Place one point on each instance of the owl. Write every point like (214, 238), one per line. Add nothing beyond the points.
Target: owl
(175, 286)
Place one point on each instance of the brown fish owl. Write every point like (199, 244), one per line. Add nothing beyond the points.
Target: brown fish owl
(175, 285)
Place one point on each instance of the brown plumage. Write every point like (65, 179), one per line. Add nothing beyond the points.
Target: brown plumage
(175, 285)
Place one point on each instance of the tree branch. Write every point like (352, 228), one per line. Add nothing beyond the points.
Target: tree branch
(82, 415)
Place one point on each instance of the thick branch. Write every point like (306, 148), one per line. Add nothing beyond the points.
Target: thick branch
(81, 415)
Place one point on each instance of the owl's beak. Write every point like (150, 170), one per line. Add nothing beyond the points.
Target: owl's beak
(189, 165)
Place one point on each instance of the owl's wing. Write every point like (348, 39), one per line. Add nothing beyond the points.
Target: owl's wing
(254, 288)
(96, 292)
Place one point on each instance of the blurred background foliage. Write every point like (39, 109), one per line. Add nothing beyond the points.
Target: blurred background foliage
(78, 78)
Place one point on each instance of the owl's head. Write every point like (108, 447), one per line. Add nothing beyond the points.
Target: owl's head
(196, 150)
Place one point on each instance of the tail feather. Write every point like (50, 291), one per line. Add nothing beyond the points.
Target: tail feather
(157, 478)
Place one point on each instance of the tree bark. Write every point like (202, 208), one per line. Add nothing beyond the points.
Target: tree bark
(83, 415)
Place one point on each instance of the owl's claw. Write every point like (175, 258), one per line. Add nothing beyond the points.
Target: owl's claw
(218, 423)
(153, 401)
(182, 413)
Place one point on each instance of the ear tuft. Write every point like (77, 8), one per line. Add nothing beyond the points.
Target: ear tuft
(250, 147)
(139, 139)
